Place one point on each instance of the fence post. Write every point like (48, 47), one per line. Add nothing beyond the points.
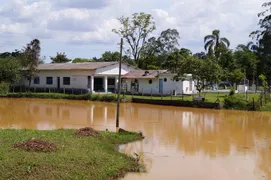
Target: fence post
(151, 93)
(182, 94)
(161, 96)
(171, 95)
(64, 90)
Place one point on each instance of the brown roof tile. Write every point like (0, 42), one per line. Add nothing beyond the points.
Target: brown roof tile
(143, 74)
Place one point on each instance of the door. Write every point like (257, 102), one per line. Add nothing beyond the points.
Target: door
(58, 82)
(89, 82)
(161, 86)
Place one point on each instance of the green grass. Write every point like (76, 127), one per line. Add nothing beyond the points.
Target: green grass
(95, 158)
(209, 97)
(266, 107)
(90, 97)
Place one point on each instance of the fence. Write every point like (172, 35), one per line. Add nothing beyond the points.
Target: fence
(23, 89)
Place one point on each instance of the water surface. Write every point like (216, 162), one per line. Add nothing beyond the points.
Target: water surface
(180, 143)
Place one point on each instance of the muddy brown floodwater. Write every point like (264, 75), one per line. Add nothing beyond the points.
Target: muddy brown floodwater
(180, 143)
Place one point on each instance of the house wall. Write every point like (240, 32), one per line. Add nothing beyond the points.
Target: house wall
(78, 79)
(114, 70)
(168, 87)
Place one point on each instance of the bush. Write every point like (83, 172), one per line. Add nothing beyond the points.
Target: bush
(95, 98)
(108, 98)
(232, 92)
(4, 88)
(232, 102)
(50, 96)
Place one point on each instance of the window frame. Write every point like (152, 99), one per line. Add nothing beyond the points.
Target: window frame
(64, 81)
(36, 80)
(47, 80)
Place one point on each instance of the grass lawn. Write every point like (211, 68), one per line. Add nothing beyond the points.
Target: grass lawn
(266, 107)
(75, 158)
(209, 97)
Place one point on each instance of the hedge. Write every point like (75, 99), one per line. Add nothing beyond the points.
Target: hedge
(90, 97)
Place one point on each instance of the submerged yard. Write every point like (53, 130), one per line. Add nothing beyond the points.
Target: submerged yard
(75, 158)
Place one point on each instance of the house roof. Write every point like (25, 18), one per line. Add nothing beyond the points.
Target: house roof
(75, 66)
(144, 74)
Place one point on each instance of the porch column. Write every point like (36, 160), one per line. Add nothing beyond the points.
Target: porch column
(105, 84)
(116, 83)
(92, 84)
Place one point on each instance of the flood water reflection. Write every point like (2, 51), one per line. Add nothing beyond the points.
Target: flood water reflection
(180, 143)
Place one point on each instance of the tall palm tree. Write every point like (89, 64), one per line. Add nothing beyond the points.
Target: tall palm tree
(214, 44)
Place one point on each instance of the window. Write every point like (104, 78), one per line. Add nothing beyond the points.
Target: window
(37, 80)
(150, 81)
(49, 80)
(134, 85)
(66, 80)
(165, 79)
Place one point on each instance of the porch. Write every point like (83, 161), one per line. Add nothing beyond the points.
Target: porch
(104, 84)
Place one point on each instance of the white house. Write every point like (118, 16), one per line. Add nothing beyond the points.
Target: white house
(103, 77)
(156, 82)
(93, 76)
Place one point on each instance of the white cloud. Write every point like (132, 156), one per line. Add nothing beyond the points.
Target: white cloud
(90, 22)
(89, 4)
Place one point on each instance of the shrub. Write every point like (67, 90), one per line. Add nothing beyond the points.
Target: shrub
(232, 92)
(232, 102)
(4, 87)
(108, 98)
(95, 97)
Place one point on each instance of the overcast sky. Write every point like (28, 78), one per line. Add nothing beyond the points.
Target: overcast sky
(82, 28)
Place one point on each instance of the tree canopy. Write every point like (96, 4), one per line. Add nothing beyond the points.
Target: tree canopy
(30, 59)
(110, 56)
(81, 60)
(60, 58)
(10, 69)
(135, 31)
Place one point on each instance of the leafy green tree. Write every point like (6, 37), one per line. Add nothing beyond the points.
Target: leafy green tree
(264, 82)
(263, 41)
(135, 31)
(30, 58)
(174, 61)
(200, 55)
(204, 72)
(185, 52)
(156, 50)
(10, 70)
(16, 53)
(110, 56)
(81, 60)
(214, 43)
(60, 58)
(236, 76)
(228, 64)
(167, 42)
(247, 61)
